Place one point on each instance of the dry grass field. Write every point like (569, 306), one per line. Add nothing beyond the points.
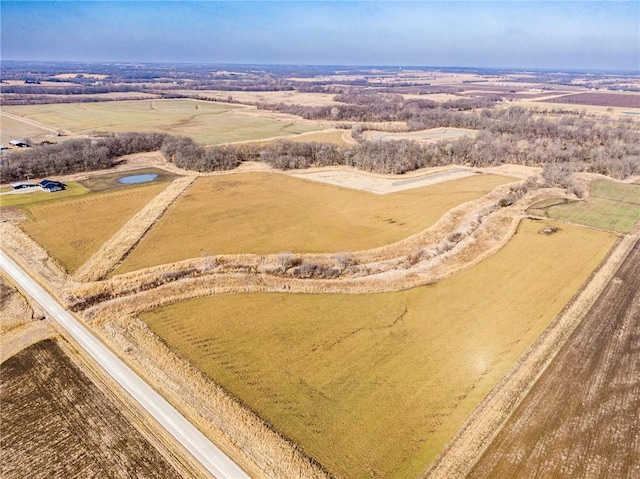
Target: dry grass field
(56, 423)
(611, 206)
(335, 137)
(205, 122)
(271, 213)
(71, 231)
(581, 417)
(15, 129)
(286, 97)
(376, 384)
(424, 136)
(14, 308)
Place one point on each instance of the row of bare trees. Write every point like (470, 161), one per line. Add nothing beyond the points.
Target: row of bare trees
(75, 155)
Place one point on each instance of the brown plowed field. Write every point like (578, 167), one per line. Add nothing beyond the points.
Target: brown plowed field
(582, 418)
(600, 99)
(56, 423)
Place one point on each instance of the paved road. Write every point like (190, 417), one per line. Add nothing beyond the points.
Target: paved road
(214, 460)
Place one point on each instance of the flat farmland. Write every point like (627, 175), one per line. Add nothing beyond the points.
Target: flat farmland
(611, 205)
(581, 418)
(621, 100)
(287, 97)
(71, 231)
(15, 129)
(424, 136)
(376, 384)
(205, 122)
(57, 423)
(270, 213)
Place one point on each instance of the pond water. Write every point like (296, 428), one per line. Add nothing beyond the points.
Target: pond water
(133, 179)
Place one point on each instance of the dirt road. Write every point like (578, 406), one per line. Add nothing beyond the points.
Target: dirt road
(582, 417)
(214, 460)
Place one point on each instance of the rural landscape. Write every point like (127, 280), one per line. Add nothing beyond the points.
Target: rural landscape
(330, 272)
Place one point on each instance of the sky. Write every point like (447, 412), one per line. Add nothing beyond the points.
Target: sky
(565, 35)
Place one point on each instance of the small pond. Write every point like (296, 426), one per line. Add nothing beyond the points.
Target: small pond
(134, 179)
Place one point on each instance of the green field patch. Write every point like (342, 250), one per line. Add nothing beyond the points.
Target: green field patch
(266, 213)
(612, 190)
(374, 385)
(205, 122)
(38, 197)
(610, 206)
(71, 231)
(598, 213)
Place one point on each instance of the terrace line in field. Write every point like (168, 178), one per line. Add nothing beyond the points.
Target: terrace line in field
(269, 213)
(378, 383)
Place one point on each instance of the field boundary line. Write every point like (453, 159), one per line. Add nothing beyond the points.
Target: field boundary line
(120, 244)
(479, 430)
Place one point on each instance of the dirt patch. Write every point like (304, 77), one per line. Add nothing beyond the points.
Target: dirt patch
(109, 181)
(383, 185)
(56, 423)
(600, 99)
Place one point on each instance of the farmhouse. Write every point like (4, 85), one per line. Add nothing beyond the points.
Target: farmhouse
(51, 186)
(18, 144)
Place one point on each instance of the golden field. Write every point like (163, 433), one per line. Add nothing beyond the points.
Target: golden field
(71, 231)
(376, 384)
(269, 213)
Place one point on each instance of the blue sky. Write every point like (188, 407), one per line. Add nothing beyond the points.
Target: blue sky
(508, 34)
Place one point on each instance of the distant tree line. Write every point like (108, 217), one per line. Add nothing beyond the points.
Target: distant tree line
(511, 135)
(376, 107)
(565, 140)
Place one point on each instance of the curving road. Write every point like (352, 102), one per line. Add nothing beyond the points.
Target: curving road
(214, 460)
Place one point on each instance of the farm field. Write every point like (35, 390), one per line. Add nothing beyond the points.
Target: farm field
(424, 136)
(286, 97)
(331, 136)
(627, 100)
(611, 205)
(594, 433)
(205, 122)
(15, 129)
(271, 213)
(71, 231)
(57, 423)
(376, 384)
